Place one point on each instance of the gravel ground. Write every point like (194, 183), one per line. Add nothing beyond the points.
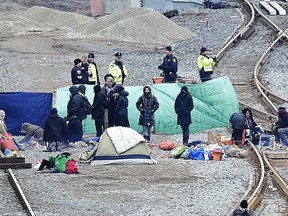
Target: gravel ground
(171, 187)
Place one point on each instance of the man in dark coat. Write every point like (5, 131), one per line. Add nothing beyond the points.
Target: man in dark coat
(237, 121)
(78, 74)
(169, 65)
(75, 105)
(183, 107)
(121, 106)
(98, 109)
(147, 104)
(55, 130)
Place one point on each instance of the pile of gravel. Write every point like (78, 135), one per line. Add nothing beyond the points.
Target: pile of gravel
(135, 25)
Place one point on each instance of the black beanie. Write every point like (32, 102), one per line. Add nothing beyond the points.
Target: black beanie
(82, 88)
(244, 204)
(91, 55)
(77, 61)
(168, 48)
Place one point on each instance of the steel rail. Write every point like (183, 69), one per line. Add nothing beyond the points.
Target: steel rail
(238, 36)
(255, 198)
(19, 192)
(278, 179)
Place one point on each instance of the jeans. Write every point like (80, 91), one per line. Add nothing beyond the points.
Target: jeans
(281, 134)
(185, 130)
(147, 132)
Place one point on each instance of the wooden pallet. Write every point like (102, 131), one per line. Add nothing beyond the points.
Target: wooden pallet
(14, 163)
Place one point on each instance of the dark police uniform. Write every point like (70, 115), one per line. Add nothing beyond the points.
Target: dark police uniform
(169, 68)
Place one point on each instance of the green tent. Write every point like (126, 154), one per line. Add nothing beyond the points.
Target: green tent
(214, 102)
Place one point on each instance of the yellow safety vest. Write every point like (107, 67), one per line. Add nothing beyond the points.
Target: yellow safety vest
(206, 63)
(94, 73)
(115, 71)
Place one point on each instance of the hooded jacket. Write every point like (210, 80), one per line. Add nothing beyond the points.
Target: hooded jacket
(183, 107)
(98, 105)
(237, 121)
(31, 130)
(147, 104)
(75, 105)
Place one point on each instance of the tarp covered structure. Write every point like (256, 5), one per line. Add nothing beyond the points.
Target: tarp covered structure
(214, 102)
(23, 107)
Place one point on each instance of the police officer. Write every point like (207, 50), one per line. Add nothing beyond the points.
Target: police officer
(169, 65)
(205, 65)
(117, 69)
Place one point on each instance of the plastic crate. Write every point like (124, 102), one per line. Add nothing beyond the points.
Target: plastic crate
(266, 140)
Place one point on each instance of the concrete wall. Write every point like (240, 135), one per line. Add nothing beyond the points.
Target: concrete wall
(172, 4)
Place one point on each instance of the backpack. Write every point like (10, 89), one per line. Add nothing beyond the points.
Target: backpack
(6, 142)
(87, 105)
(71, 167)
(60, 161)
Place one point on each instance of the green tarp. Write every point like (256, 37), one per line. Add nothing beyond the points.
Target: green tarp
(214, 102)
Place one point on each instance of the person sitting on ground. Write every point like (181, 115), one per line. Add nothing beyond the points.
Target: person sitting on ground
(237, 121)
(280, 128)
(243, 209)
(55, 132)
(3, 127)
(31, 130)
(253, 131)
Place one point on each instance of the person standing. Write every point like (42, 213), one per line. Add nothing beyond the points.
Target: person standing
(147, 104)
(55, 131)
(78, 74)
(169, 66)
(121, 106)
(205, 65)
(93, 70)
(75, 104)
(117, 69)
(183, 107)
(280, 128)
(109, 110)
(237, 121)
(98, 109)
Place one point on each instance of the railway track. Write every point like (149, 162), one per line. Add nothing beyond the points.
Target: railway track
(242, 60)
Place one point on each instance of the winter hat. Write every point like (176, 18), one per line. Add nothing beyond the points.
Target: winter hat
(118, 54)
(91, 55)
(97, 88)
(244, 204)
(203, 49)
(168, 48)
(118, 88)
(53, 112)
(281, 110)
(146, 87)
(2, 113)
(184, 88)
(77, 61)
(82, 88)
(73, 90)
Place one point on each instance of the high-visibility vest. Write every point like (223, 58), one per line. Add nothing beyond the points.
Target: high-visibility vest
(116, 72)
(206, 63)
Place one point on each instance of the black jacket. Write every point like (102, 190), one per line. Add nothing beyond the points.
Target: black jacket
(121, 104)
(238, 121)
(75, 105)
(54, 129)
(98, 107)
(183, 107)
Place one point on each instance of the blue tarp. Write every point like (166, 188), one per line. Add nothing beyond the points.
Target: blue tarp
(23, 107)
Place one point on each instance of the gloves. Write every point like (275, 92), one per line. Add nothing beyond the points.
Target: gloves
(160, 67)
